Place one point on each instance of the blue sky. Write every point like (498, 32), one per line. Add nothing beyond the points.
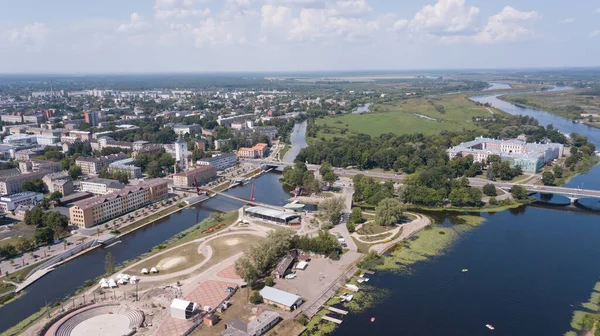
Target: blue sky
(294, 35)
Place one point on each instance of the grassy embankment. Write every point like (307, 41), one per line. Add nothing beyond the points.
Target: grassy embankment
(567, 104)
(587, 317)
(425, 246)
(402, 118)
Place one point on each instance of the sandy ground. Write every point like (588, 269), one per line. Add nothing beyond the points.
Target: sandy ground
(170, 262)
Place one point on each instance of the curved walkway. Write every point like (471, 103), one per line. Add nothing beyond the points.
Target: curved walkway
(408, 230)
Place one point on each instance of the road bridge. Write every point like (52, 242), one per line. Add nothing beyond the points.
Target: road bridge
(573, 194)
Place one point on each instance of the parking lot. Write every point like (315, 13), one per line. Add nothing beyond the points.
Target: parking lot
(320, 274)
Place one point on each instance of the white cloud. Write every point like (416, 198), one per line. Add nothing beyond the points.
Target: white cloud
(569, 20)
(32, 35)
(348, 8)
(297, 3)
(180, 13)
(316, 24)
(446, 17)
(595, 33)
(508, 25)
(136, 23)
(275, 16)
(399, 25)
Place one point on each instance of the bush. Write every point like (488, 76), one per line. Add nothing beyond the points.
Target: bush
(493, 201)
(255, 298)
(303, 320)
(351, 227)
(269, 281)
(489, 190)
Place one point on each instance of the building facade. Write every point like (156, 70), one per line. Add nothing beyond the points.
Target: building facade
(529, 156)
(258, 151)
(60, 182)
(219, 161)
(12, 184)
(201, 174)
(11, 202)
(91, 117)
(100, 186)
(91, 165)
(92, 211)
(39, 165)
(126, 166)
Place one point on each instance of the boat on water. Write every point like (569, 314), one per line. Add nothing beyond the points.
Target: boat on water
(246, 180)
(489, 326)
(464, 270)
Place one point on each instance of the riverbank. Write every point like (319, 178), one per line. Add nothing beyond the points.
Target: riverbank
(421, 246)
(207, 227)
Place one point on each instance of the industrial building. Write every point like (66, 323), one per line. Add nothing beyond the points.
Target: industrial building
(92, 211)
(279, 217)
(11, 202)
(529, 156)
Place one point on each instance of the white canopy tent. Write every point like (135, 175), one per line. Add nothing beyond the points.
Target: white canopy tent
(182, 309)
(144, 271)
(153, 270)
(112, 283)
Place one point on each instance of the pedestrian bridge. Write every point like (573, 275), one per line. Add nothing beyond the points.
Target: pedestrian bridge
(572, 194)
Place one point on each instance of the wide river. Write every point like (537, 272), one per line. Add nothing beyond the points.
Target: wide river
(529, 268)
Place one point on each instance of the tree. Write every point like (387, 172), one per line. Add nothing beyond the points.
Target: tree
(490, 190)
(109, 263)
(331, 209)
(389, 212)
(519, 192)
(493, 201)
(44, 235)
(255, 298)
(269, 281)
(548, 178)
(330, 177)
(356, 216)
(56, 196)
(75, 171)
(35, 185)
(558, 173)
(24, 244)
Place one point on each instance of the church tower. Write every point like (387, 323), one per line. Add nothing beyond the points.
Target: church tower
(181, 151)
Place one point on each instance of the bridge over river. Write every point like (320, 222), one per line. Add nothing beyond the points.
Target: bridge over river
(573, 194)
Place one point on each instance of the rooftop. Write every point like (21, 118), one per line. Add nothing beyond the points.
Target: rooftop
(271, 213)
(199, 169)
(279, 296)
(91, 202)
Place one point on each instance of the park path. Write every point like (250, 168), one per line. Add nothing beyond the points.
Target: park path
(408, 230)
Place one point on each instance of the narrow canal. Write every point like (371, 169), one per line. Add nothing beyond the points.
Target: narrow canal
(528, 269)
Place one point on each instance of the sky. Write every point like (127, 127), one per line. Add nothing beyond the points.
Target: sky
(128, 36)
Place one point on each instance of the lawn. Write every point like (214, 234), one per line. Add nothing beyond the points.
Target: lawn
(370, 228)
(176, 260)
(403, 117)
(227, 246)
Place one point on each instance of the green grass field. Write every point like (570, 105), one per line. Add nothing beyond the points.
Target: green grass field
(457, 114)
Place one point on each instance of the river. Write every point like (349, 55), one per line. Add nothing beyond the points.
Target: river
(298, 140)
(529, 268)
(64, 281)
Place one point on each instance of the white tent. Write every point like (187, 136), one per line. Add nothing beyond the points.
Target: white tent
(182, 309)
(153, 270)
(112, 283)
(103, 283)
(122, 281)
(133, 280)
(144, 271)
(119, 276)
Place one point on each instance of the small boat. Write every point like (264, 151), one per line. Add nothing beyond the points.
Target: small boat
(372, 319)
(464, 270)
(489, 326)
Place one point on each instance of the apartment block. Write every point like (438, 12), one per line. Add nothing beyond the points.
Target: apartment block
(201, 174)
(28, 166)
(100, 186)
(12, 184)
(92, 211)
(91, 165)
(219, 161)
(60, 182)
